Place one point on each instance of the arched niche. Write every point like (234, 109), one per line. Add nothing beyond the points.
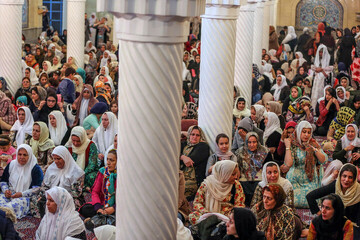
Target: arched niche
(310, 12)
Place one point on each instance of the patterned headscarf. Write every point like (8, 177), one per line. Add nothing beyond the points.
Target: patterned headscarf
(297, 106)
(342, 119)
(253, 161)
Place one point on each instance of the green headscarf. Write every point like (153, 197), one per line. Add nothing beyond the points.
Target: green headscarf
(299, 93)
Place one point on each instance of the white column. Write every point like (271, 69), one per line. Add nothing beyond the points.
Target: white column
(150, 85)
(258, 28)
(76, 30)
(275, 13)
(244, 50)
(10, 42)
(272, 12)
(218, 35)
(266, 22)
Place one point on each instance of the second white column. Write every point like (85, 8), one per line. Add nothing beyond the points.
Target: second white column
(217, 68)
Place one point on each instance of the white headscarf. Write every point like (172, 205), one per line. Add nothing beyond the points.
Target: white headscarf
(80, 151)
(83, 111)
(64, 222)
(92, 20)
(103, 138)
(57, 66)
(88, 49)
(301, 58)
(323, 98)
(57, 134)
(66, 176)
(24, 128)
(105, 232)
(110, 81)
(217, 188)
(20, 175)
(104, 60)
(241, 114)
(341, 100)
(49, 66)
(284, 183)
(300, 127)
(345, 142)
(267, 71)
(33, 78)
(272, 125)
(325, 60)
(260, 110)
(278, 88)
(291, 35)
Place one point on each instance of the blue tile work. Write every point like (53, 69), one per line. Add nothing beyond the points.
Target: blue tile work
(310, 12)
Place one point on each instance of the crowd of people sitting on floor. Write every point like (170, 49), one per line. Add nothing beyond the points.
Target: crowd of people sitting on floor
(294, 144)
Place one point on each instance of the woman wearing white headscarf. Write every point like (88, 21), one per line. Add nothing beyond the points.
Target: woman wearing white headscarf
(257, 115)
(321, 69)
(57, 128)
(240, 110)
(348, 147)
(272, 125)
(56, 64)
(105, 133)
(22, 128)
(89, 47)
(92, 21)
(220, 192)
(295, 64)
(303, 162)
(271, 174)
(280, 90)
(291, 35)
(105, 71)
(20, 181)
(105, 58)
(33, 78)
(65, 173)
(106, 232)
(85, 153)
(46, 66)
(267, 69)
(61, 220)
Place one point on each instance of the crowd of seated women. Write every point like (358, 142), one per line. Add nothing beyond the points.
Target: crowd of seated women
(58, 135)
(294, 143)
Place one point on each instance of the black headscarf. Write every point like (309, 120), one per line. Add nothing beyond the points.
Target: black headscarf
(42, 114)
(331, 229)
(245, 224)
(187, 94)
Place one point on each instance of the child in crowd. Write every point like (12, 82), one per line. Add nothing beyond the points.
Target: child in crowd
(7, 152)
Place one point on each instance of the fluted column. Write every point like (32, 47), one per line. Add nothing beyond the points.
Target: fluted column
(266, 22)
(10, 42)
(274, 13)
(244, 50)
(151, 43)
(218, 36)
(76, 30)
(258, 28)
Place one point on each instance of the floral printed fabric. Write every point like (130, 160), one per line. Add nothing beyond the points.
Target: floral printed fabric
(199, 202)
(299, 179)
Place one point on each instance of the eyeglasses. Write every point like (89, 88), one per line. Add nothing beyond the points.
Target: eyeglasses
(51, 100)
(194, 134)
